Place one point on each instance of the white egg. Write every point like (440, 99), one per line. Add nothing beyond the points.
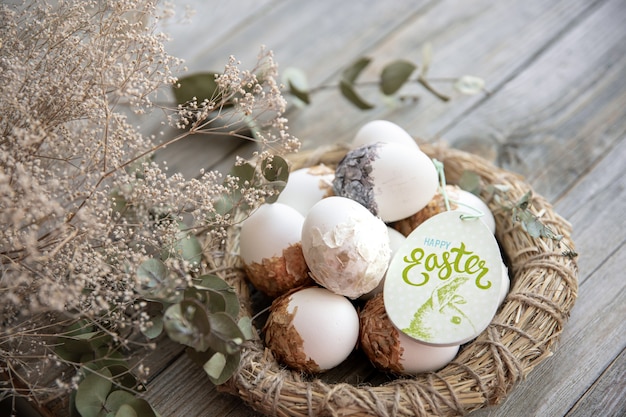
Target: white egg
(268, 231)
(418, 357)
(506, 283)
(396, 239)
(345, 246)
(271, 251)
(468, 201)
(391, 180)
(382, 131)
(307, 186)
(327, 327)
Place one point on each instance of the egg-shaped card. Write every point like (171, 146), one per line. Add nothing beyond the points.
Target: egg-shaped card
(443, 284)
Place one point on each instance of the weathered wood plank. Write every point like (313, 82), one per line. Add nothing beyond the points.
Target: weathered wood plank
(185, 390)
(559, 116)
(308, 35)
(595, 334)
(595, 207)
(607, 397)
(482, 38)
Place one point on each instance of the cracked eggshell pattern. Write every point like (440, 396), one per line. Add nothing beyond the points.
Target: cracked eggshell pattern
(346, 247)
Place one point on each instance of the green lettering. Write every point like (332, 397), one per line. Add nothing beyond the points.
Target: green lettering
(416, 258)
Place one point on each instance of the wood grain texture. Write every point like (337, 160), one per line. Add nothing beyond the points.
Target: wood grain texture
(596, 332)
(556, 114)
(606, 397)
(564, 111)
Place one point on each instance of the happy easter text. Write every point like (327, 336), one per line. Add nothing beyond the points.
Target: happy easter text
(456, 260)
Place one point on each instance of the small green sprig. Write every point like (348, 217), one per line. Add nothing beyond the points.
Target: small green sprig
(534, 226)
(520, 209)
(393, 76)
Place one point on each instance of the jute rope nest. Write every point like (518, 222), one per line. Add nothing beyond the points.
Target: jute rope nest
(522, 334)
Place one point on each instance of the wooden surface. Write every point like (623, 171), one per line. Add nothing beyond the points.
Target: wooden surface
(555, 113)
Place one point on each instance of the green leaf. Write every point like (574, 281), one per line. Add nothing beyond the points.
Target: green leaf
(275, 168)
(427, 58)
(299, 94)
(468, 84)
(152, 273)
(187, 323)
(200, 85)
(226, 336)
(351, 73)
(394, 75)
(127, 411)
(156, 329)
(78, 339)
(348, 91)
(296, 80)
(220, 297)
(244, 173)
(245, 325)
(188, 246)
(215, 366)
(125, 404)
(346, 85)
(470, 181)
(218, 366)
(92, 393)
(276, 171)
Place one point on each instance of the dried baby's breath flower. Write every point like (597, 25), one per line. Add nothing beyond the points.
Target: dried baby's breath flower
(82, 205)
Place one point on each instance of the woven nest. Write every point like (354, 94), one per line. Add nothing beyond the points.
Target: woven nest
(522, 334)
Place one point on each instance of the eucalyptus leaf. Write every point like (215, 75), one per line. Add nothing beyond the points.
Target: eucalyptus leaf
(127, 411)
(92, 392)
(351, 73)
(215, 366)
(395, 75)
(220, 295)
(200, 86)
(296, 80)
(469, 84)
(301, 95)
(226, 336)
(246, 327)
(188, 246)
(245, 173)
(228, 369)
(187, 323)
(124, 402)
(276, 171)
(348, 91)
(427, 58)
(275, 168)
(470, 181)
(152, 274)
(155, 330)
